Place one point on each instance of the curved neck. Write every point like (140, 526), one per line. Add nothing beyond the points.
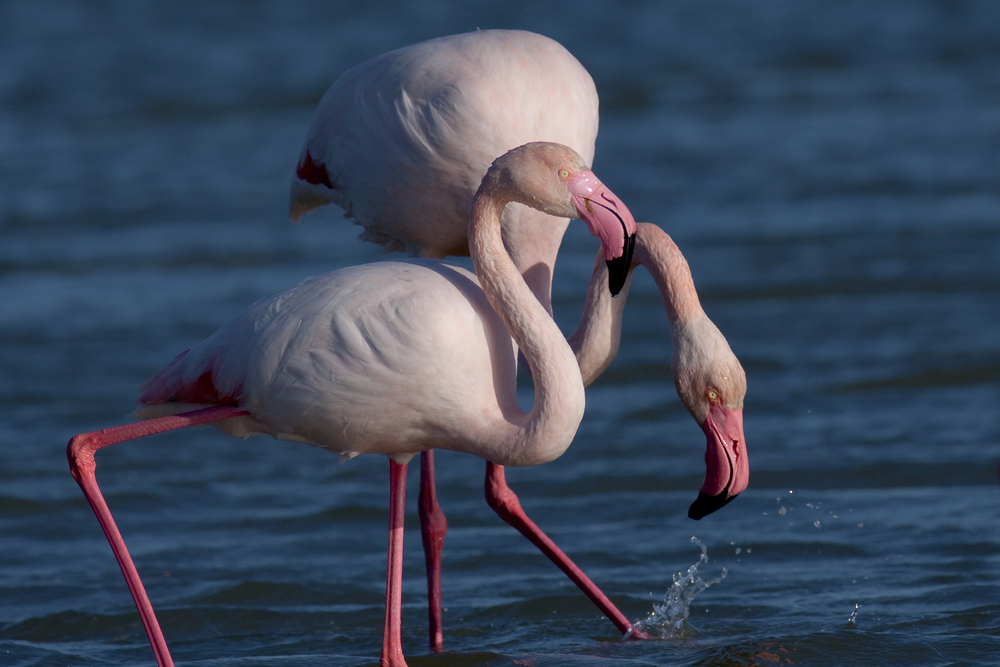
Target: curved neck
(597, 337)
(547, 431)
(663, 259)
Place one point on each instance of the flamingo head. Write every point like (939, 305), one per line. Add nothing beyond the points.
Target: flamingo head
(555, 180)
(711, 383)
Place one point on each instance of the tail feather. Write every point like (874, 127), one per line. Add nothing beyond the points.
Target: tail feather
(168, 386)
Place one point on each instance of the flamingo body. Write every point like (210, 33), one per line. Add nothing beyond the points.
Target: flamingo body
(427, 120)
(357, 361)
(402, 141)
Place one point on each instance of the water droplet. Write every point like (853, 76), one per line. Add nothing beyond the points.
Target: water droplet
(853, 617)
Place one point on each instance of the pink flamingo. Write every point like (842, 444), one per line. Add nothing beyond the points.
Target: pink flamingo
(421, 124)
(391, 358)
(401, 142)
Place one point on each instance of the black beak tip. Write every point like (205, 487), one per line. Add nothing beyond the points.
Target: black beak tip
(618, 268)
(706, 504)
(616, 277)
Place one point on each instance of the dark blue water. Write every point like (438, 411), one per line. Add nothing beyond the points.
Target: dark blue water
(831, 171)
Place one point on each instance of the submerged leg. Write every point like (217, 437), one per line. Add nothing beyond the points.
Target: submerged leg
(433, 527)
(80, 452)
(392, 642)
(504, 502)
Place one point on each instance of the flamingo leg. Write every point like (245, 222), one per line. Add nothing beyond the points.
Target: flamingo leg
(80, 451)
(392, 642)
(504, 502)
(433, 526)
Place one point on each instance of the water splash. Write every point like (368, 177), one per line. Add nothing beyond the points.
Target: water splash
(851, 625)
(669, 619)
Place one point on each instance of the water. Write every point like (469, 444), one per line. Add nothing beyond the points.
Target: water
(830, 171)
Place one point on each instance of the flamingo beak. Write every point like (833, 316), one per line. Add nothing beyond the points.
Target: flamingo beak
(728, 470)
(608, 219)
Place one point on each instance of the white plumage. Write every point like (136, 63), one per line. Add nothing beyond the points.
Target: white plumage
(350, 361)
(401, 141)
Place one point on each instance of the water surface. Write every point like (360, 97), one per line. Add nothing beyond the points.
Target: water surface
(829, 170)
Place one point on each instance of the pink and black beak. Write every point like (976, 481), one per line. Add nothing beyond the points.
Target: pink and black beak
(728, 470)
(609, 220)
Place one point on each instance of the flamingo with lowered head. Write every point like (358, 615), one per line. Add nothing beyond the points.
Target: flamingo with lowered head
(418, 125)
(391, 358)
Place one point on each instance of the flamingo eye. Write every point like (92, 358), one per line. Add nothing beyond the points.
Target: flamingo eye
(713, 395)
(564, 174)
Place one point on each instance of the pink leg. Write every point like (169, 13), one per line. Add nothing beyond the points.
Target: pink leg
(433, 527)
(504, 502)
(392, 641)
(80, 452)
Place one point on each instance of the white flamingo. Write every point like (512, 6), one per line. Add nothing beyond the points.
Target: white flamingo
(401, 142)
(391, 358)
(421, 124)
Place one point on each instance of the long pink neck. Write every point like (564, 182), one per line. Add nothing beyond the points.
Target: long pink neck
(597, 337)
(547, 431)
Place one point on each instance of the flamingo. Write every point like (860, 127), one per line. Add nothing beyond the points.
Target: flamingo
(420, 124)
(401, 142)
(391, 358)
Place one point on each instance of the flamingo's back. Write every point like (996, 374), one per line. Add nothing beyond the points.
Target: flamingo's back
(401, 142)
